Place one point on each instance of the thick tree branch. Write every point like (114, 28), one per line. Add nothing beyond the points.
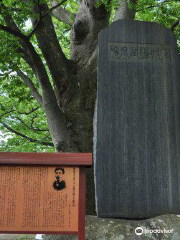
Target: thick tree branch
(90, 20)
(23, 41)
(124, 12)
(31, 86)
(62, 14)
(61, 69)
(58, 130)
(11, 26)
(35, 28)
(44, 15)
(55, 6)
(26, 58)
(175, 25)
(26, 137)
(13, 32)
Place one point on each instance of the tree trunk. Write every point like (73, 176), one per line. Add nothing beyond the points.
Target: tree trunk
(84, 38)
(74, 80)
(89, 21)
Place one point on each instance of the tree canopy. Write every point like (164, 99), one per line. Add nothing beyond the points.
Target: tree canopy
(23, 122)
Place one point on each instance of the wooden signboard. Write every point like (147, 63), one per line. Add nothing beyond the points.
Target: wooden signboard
(43, 193)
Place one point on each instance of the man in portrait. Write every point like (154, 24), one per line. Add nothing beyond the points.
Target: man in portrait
(59, 184)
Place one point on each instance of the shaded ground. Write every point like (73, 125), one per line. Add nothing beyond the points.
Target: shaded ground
(16, 237)
(9, 236)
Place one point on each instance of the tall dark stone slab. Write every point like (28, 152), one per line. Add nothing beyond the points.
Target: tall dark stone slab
(137, 127)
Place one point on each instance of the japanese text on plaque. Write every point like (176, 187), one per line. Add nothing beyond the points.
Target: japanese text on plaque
(39, 198)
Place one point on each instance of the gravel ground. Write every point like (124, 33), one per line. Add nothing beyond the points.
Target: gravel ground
(13, 237)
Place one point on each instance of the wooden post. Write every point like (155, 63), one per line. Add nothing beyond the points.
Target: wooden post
(82, 204)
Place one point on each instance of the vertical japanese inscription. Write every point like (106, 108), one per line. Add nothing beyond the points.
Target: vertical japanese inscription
(29, 200)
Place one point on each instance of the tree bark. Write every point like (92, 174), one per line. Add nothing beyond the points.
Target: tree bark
(124, 12)
(60, 67)
(88, 22)
(62, 14)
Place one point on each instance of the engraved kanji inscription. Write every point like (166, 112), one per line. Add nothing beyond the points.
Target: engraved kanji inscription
(138, 52)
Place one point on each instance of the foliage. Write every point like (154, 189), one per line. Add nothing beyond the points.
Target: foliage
(19, 111)
(162, 12)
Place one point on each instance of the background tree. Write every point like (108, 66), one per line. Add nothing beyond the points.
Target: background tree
(48, 69)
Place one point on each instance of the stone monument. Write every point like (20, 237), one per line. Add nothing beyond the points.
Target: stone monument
(137, 127)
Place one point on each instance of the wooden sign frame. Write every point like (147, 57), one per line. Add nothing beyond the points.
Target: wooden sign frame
(81, 160)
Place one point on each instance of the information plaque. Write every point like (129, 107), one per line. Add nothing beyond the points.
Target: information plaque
(43, 193)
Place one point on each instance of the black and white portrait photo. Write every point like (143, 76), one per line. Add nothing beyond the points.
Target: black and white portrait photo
(59, 184)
